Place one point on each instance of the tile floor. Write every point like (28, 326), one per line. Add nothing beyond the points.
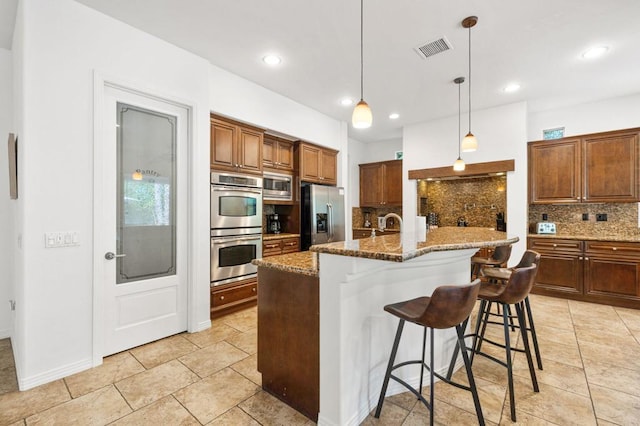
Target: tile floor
(591, 375)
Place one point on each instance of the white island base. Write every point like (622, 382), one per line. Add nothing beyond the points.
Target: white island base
(356, 334)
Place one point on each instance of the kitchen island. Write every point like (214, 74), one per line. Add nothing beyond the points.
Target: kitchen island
(355, 279)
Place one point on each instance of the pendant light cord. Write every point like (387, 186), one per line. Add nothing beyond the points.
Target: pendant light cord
(469, 79)
(459, 115)
(361, 50)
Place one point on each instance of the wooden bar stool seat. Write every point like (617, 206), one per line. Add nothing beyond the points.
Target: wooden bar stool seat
(449, 306)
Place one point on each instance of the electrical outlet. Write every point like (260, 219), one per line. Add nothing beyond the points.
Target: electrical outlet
(601, 217)
(585, 216)
(545, 216)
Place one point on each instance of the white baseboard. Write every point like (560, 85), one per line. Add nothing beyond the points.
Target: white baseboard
(202, 326)
(25, 383)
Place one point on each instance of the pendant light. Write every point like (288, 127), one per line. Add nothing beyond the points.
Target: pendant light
(469, 143)
(459, 165)
(362, 117)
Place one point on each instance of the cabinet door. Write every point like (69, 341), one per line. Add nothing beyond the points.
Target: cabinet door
(290, 245)
(250, 150)
(223, 136)
(610, 168)
(554, 172)
(284, 157)
(560, 271)
(609, 277)
(392, 181)
(370, 185)
(269, 147)
(328, 166)
(309, 163)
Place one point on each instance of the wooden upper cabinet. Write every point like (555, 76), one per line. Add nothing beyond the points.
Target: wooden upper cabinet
(381, 184)
(235, 147)
(611, 168)
(317, 164)
(554, 172)
(592, 168)
(277, 153)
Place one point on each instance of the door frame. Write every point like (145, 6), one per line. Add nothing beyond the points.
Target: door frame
(101, 82)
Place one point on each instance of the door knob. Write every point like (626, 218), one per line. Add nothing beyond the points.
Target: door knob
(110, 256)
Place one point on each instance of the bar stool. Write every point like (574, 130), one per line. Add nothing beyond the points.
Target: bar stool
(502, 275)
(513, 293)
(449, 306)
(499, 258)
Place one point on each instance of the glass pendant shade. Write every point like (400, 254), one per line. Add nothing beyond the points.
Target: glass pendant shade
(469, 143)
(459, 165)
(362, 116)
(136, 175)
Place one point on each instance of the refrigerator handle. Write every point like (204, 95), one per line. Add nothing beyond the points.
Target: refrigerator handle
(330, 222)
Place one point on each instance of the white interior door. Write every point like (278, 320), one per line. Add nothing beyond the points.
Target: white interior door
(145, 219)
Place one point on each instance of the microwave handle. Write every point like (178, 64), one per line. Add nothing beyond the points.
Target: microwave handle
(235, 188)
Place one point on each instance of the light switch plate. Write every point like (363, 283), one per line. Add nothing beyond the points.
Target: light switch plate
(61, 239)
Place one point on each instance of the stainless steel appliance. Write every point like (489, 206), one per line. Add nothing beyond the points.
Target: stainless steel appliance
(277, 186)
(322, 215)
(236, 226)
(236, 201)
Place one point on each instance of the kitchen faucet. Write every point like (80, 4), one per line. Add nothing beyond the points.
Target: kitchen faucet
(387, 216)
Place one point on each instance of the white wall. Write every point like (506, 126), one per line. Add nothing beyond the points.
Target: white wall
(601, 116)
(64, 43)
(381, 151)
(502, 135)
(6, 205)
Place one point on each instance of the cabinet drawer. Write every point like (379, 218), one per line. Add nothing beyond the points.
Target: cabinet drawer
(290, 245)
(361, 234)
(611, 248)
(271, 248)
(553, 244)
(227, 296)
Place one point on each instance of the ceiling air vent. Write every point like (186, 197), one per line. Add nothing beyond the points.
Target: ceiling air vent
(433, 48)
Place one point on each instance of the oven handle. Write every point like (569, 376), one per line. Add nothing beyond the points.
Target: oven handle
(228, 239)
(235, 188)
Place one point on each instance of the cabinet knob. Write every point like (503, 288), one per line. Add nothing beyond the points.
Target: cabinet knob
(614, 248)
(579, 257)
(221, 297)
(586, 258)
(253, 289)
(578, 198)
(555, 245)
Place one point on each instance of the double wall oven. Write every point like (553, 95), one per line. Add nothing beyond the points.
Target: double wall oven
(236, 226)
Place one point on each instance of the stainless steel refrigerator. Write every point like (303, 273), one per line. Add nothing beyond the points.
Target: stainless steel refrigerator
(323, 215)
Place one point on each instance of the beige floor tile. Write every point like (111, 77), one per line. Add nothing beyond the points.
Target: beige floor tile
(211, 359)
(390, 415)
(216, 394)
(113, 369)
(248, 367)
(616, 407)
(161, 351)
(165, 411)
(234, 417)
(630, 317)
(552, 404)
(491, 397)
(268, 410)
(247, 341)
(556, 374)
(523, 419)
(623, 356)
(18, 423)
(218, 332)
(554, 317)
(151, 385)
(548, 302)
(613, 377)
(445, 414)
(243, 320)
(18, 405)
(96, 408)
(619, 335)
(554, 335)
(593, 309)
(406, 400)
(8, 378)
(565, 354)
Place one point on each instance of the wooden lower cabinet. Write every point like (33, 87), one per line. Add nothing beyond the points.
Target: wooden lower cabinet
(274, 247)
(232, 297)
(604, 272)
(289, 338)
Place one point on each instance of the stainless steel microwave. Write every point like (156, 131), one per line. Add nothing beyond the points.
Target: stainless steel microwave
(277, 186)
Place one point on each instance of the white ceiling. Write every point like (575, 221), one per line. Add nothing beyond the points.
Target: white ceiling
(535, 43)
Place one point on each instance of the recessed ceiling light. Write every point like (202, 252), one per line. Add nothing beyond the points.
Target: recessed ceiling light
(595, 52)
(394, 116)
(271, 60)
(512, 87)
(346, 102)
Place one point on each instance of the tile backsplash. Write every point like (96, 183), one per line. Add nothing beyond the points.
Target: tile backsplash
(358, 215)
(622, 218)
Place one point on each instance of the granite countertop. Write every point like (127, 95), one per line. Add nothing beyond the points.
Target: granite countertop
(267, 237)
(302, 262)
(398, 247)
(630, 238)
